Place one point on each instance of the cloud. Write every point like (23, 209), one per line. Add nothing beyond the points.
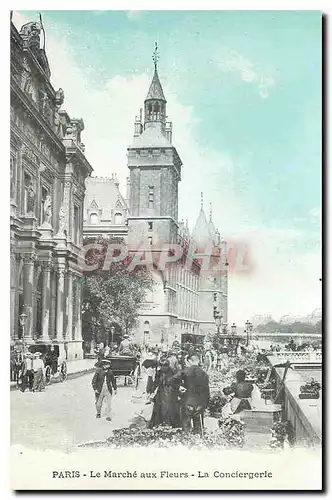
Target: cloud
(230, 61)
(285, 277)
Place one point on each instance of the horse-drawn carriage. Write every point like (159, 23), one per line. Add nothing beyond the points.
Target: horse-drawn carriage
(127, 367)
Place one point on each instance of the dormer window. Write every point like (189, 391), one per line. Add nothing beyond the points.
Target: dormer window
(118, 218)
(93, 218)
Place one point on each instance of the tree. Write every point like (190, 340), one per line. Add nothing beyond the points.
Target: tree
(112, 293)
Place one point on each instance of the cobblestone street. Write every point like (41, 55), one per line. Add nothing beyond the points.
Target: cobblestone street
(63, 416)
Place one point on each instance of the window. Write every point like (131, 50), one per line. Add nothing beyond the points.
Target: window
(151, 196)
(150, 240)
(118, 218)
(93, 218)
(150, 226)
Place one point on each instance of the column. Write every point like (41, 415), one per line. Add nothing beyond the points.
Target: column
(60, 304)
(78, 331)
(69, 307)
(29, 271)
(13, 287)
(46, 301)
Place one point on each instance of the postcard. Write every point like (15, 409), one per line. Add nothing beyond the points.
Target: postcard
(165, 250)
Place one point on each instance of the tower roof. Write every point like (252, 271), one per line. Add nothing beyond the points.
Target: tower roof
(151, 137)
(155, 90)
(203, 231)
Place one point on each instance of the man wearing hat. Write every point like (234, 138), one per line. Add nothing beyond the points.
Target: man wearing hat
(125, 346)
(27, 372)
(104, 383)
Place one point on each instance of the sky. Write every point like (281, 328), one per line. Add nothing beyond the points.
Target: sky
(243, 91)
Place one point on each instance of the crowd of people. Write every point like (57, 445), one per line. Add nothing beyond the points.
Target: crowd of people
(28, 369)
(176, 384)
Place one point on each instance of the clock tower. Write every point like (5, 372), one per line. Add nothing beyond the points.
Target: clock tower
(155, 171)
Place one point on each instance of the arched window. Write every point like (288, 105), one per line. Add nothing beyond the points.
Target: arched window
(156, 110)
(149, 110)
(118, 218)
(146, 332)
(93, 218)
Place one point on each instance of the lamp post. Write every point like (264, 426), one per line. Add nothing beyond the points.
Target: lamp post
(23, 319)
(250, 330)
(247, 324)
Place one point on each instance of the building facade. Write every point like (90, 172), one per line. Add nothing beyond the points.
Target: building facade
(186, 298)
(48, 168)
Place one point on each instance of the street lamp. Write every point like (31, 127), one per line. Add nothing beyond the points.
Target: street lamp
(233, 329)
(251, 326)
(23, 319)
(247, 329)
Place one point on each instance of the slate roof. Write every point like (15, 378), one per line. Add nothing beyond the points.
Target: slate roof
(103, 193)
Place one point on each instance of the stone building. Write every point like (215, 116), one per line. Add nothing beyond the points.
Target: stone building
(47, 185)
(185, 298)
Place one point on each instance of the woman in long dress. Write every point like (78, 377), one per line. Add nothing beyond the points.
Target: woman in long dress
(39, 376)
(166, 408)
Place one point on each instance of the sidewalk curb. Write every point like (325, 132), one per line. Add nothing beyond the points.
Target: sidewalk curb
(70, 376)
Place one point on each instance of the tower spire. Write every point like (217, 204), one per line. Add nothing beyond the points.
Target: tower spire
(210, 211)
(201, 200)
(155, 56)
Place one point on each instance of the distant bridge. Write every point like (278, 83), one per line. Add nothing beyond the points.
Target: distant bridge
(265, 339)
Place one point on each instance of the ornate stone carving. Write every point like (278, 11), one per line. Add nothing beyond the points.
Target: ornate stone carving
(31, 199)
(12, 182)
(59, 98)
(43, 100)
(47, 266)
(30, 34)
(61, 272)
(29, 258)
(62, 219)
(26, 151)
(48, 210)
(26, 75)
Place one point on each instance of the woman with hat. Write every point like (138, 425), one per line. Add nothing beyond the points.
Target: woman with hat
(104, 383)
(166, 404)
(38, 369)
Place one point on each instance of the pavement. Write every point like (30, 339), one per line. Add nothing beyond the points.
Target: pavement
(75, 368)
(63, 416)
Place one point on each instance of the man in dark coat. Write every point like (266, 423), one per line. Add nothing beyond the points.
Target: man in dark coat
(103, 384)
(196, 393)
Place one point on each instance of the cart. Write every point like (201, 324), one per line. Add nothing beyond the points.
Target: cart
(127, 367)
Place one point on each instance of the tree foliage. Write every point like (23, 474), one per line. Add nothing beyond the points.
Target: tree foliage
(295, 327)
(113, 292)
